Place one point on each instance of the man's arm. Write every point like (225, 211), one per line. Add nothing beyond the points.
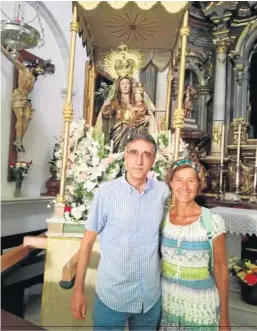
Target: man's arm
(18, 64)
(85, 251)
(78, 302)
(94, 225)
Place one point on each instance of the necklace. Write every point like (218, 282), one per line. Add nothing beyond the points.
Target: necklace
(183, 219)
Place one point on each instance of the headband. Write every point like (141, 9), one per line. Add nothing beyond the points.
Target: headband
(185, 162)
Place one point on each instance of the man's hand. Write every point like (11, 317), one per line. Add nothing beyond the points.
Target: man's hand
(78, 305)
(224, 325)
(24, 103)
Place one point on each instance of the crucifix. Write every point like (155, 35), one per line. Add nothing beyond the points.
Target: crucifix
(24, 80)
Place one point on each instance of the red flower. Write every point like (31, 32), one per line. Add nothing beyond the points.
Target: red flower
(67, 208)
(251, 279)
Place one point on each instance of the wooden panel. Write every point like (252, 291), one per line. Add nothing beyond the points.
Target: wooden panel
(12, 322)
(15, 255)
(70, 269)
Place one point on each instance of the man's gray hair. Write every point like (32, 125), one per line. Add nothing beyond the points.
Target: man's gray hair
(145, 137)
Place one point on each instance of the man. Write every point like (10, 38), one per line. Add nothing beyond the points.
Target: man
(127, 214)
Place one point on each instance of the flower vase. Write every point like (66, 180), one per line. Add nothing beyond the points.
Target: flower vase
(249, 293)
(17, 191)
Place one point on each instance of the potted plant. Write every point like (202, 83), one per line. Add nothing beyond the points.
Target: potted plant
(53, 183)
(246, 271)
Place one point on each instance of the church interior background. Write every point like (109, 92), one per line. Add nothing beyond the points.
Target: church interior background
(197, 75)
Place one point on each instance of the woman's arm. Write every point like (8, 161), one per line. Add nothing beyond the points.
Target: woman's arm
(221, 275)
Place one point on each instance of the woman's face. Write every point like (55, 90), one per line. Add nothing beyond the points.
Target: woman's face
(125, 86)
(185, 185)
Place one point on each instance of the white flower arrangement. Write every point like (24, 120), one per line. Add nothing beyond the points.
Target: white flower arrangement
(90, 163)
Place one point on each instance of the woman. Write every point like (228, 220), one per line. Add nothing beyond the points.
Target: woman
(118, 118)
(194, 295)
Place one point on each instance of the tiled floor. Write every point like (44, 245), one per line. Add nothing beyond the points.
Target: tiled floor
(32, 301)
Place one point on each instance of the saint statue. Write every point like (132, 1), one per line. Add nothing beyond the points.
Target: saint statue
(189, 94)
(21, 104)
(127, 110)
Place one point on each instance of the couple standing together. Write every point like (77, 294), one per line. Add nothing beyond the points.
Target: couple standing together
(186, 288)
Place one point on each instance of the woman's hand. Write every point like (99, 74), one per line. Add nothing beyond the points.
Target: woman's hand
(107, 103)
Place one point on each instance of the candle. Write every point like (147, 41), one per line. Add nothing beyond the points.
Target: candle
(238, 156)
(256, 157)
(111, 146)
(238, 144)
(222, 144)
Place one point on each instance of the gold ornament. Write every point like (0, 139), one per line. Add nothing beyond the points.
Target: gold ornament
(139, 89)
(123, 62)
(239, 120)
(178, 118)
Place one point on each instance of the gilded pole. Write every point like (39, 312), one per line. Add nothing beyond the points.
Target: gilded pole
(178, 118)
(92, 93)
(68, 110)
(168, 100)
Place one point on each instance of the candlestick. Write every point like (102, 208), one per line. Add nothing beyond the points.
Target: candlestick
(253, 198)
(222, 144)
(220, 194)
(236, 196)
(256, 157)
(238, 143)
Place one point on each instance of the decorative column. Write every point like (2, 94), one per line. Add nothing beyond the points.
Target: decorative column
(204, 94)
(67, 113)
(240, 71)
(219, 102)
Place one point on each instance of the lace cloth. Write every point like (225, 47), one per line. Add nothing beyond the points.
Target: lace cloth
(238, 221)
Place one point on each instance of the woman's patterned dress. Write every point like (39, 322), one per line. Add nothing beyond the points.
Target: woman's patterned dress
(190, 299)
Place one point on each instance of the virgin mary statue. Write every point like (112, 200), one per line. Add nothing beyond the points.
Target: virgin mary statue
(127, 110)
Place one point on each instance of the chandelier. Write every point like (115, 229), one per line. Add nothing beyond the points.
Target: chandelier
(16, 34)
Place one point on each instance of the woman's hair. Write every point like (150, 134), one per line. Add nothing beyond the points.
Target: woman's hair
(131, 89)
(186, 163)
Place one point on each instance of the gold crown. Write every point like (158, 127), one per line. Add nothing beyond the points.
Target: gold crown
(139, 88)
(123, 62)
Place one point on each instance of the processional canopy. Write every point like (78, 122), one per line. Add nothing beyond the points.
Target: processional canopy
(150, 26)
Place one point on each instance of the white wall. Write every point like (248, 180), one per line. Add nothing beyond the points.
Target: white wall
(46, 97)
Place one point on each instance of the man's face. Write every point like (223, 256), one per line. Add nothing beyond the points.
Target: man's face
(139, 159)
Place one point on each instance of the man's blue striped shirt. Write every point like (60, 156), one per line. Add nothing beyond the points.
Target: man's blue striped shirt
(128, 224)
